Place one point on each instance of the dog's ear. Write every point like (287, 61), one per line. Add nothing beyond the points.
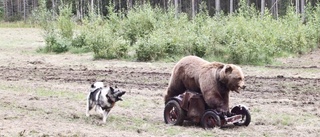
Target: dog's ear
(111, 89)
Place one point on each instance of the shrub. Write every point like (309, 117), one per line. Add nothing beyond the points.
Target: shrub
(139, 22)
(101, 39)
(64, 22)
(57, 40)
(54, 43)
(151, 34)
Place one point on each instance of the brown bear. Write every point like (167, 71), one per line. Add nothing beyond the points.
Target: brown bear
(213, 79)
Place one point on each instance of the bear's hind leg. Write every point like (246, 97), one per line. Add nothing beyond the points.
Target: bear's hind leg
(175, 88)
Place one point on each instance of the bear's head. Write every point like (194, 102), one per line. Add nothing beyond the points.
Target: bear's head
(232, 76)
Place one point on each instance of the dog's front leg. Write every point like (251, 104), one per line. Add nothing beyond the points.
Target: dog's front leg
(89, 106)
(99, 109)
(105, 116)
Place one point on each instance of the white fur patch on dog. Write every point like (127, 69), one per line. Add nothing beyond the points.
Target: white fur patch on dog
(96, 85)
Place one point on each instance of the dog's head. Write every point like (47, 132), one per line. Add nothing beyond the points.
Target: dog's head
(115, 94)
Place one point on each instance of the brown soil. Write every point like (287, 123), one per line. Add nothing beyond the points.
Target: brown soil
(44, 94)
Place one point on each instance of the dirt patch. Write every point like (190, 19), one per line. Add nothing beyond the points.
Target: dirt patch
(44, 95)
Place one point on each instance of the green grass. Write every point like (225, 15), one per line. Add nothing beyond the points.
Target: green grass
(45, 92)
(16, 24)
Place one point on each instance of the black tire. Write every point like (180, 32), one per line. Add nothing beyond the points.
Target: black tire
(210, 120)
(173, 113)
(246, 117)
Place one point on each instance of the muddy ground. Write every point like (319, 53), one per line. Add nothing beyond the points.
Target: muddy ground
(44, 94)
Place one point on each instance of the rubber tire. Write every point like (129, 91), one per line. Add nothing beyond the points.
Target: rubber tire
(213, 115)
(245, 115)
(180, 113)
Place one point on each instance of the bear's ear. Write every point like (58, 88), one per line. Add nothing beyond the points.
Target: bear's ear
(228, 69)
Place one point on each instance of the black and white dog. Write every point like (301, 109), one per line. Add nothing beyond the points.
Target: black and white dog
(103, 98)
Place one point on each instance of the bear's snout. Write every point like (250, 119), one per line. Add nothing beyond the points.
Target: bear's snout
(239, 88)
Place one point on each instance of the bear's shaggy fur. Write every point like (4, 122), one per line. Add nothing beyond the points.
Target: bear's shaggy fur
(213, 79)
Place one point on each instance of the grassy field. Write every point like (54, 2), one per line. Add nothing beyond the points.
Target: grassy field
(44, 94)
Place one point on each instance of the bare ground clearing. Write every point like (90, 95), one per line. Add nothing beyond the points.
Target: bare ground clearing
(44, 94)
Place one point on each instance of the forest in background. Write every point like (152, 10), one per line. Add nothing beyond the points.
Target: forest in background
(166, 30)
(15, 10)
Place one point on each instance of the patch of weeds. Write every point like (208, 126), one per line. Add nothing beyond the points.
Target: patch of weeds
(33, 133)
(21, 133)
(256, 110)
(44, 92)
(16, 24)
(132, 103)
(284, 119)
(78, 134)
(172, 131)
(131, 124)
(266, 135)
(49, 93)
(207, 134)
(76, 50)
(45, 135)
(126, 104)
(242, 134)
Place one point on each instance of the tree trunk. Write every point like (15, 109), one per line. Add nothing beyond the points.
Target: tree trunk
(277, 9)
(217, 6)
(53, 7)
(302, 10)
(297, 7)
(81, 9)
(19, 9)
(193, 9)
(176, 6)
(129, 4)
(274, 8)
(5, 9)
(262, 7)
(91, 5)
(120, 5)
(231, 6)
(11, 10)
(77, 3)
(24, 10)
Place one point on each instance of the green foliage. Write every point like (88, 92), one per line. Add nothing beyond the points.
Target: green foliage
(42, 16)
(162, 42)
(102, 40)
(246, 38)
(150, 34)
(54, 43)
(1, 13)
(64, 22)
(313, 26)
(57, 40)
(140, 22)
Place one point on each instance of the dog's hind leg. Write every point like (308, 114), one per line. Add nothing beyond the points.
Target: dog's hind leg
(90, 105)
(105, 116)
